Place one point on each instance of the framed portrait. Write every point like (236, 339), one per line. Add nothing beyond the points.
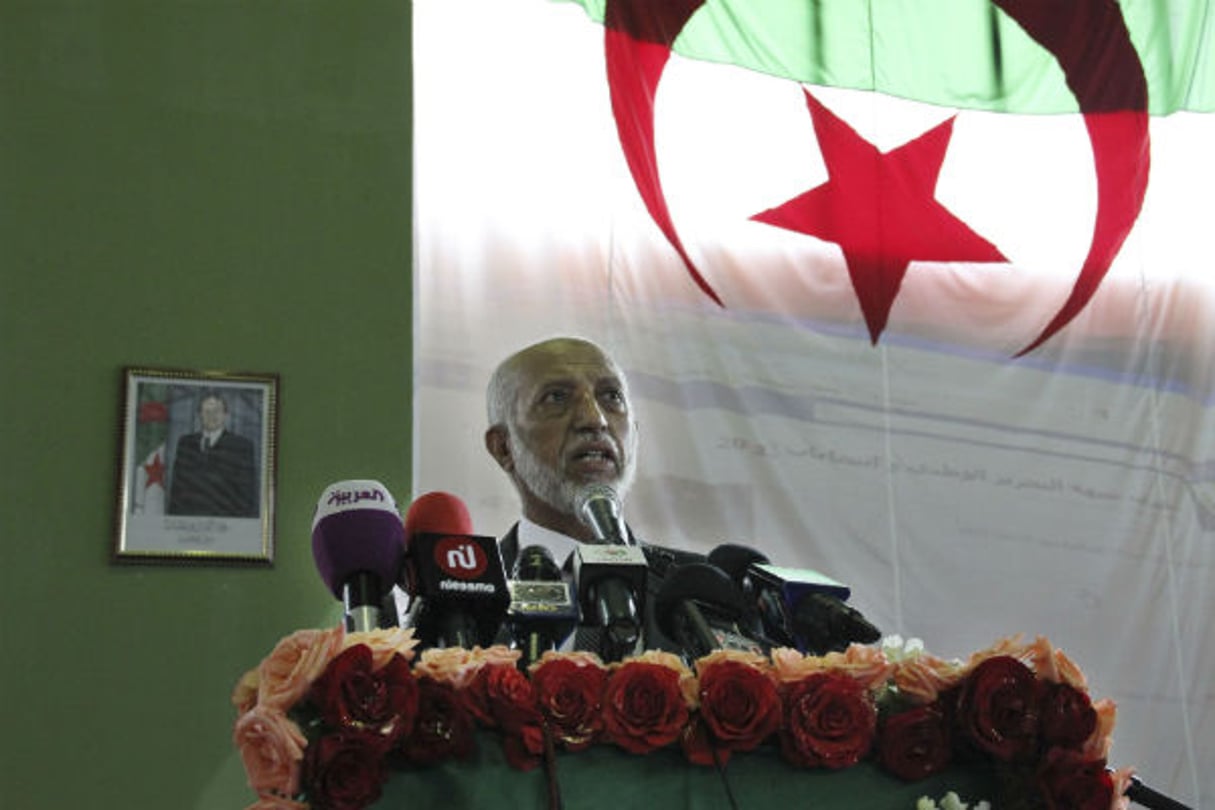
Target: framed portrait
(197, 467)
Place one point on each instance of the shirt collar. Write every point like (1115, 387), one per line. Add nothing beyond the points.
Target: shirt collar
(559, 545)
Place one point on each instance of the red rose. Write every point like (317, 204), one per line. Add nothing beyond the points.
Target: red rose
(643, 708)
(1068, 781)
(830, 721)
(1067, 716)
(916, 743)
(698, 748)
(998, 708)
(569, 696)
(739, 703)
(345, 770)
(350, 694)
(444, 728)
(512, 701)
(476, 698)
(524, 748)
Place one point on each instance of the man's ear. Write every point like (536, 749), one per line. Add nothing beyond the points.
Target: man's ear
(497, 442)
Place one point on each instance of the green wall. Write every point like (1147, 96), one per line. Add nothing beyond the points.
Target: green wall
(204, 185)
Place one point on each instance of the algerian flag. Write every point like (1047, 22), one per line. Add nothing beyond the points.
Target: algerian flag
(151, 429)
(935, 178)
(959, 169)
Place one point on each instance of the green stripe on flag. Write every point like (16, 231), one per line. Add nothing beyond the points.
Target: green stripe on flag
(952, 53)
(151, 419)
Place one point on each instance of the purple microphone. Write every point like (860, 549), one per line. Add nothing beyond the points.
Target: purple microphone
(358, 542)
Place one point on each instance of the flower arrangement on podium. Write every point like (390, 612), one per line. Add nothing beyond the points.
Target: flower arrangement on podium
(328, 715)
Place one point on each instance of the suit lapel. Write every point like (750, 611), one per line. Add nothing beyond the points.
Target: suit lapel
(509, 546)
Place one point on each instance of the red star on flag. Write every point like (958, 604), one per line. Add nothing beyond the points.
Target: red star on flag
(155, 470)
(881, 210)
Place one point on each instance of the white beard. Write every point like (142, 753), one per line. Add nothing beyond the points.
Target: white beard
(560, 493)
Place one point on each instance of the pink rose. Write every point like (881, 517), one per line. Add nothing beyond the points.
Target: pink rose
(455, 666)
(271, 746)
(458, 666)
(921, 679)
(294, 663)
(244, 694)
(277, 803)
(1052, 665)
(1097, 746)
(498, 654)
(1009, 646)
(789, 664)
(867, 665)
(383, 643)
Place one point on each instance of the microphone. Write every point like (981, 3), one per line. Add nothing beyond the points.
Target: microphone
(454, 577)
(1145, 796)
(358, 546)
(818, 619)
(611, 583)
(661, 559)
(797, 607)
(542, 609)
(598, 507)
(700, 607)
(764, 613)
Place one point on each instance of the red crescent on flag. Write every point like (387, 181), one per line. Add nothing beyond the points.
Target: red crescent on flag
(1092, 45)
(637, 44)
(1103, 71)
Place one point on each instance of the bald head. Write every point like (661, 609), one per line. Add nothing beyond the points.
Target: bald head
(559, 419)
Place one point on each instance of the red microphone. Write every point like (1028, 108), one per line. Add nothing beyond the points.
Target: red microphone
(454, 577)
(431, 513)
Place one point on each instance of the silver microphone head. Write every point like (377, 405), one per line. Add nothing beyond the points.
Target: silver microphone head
(598, 507)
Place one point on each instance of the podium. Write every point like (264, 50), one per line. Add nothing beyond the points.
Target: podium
(607, 778)
(337, 719)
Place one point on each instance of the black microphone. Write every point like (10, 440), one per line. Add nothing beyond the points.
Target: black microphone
(796, 607)
(598, 507)
(455, 578)
(542, 610)
(357, 546)
(699, 607)
(611, 583)
(661, 559)
(764, 616)
(813, 608)
(1145, 796)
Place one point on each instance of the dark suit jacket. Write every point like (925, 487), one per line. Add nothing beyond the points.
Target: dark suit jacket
(219, 482)
(659, 559)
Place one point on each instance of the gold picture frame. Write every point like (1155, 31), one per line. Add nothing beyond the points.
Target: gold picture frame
(196, 477)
